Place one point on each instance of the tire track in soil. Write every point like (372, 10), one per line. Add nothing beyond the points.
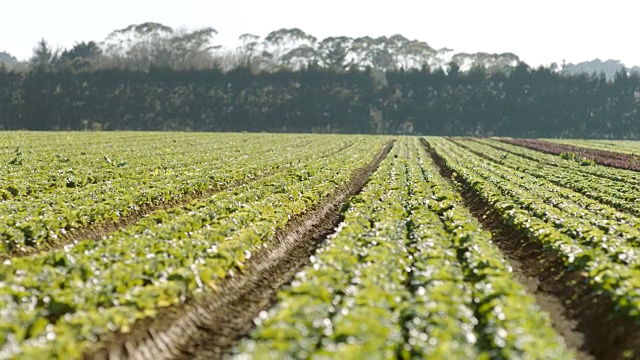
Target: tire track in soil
(97, 231)
(210, 327)
(578, 313)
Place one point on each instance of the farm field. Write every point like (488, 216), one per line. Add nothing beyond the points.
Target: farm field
(621, 154)
(272, 246)
(620, 146)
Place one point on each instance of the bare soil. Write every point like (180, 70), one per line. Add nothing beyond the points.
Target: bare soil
(209, 327)
(607, 158)
(578, 313)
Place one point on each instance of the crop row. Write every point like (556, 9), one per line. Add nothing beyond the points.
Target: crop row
(625, 182)
(619, 175)
(572, 214)
(408, 274)
(56, 304)
(150, 179)
(37, 142)
(580, 194)
(608, 257)
(44, 160)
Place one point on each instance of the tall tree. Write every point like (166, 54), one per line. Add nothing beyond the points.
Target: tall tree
(413, 54)
(280, 42)
(190, 49)
(333, 52)
(249, 48)
(81, 57)
(137, 45)
(43, 56)
(154, 44)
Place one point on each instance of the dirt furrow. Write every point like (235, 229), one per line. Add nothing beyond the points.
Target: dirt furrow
(578, 313)
(606, 158)
(210, 327)
(101, 229)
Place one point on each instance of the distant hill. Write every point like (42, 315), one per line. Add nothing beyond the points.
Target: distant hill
(8, 59)
(609, 68)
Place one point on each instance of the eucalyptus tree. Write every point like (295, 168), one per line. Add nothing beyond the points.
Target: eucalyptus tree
(249, 48)
(414, 54)
(333, 52)
(191, 49)
(492, 62)
(283, 41)
(141, 46)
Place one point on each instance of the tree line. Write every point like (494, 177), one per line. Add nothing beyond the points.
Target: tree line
(525, 103)
(142, 46)
(153, 77)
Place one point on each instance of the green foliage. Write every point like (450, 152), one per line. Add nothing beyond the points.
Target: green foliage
(165, 93)
(562, 206)
(587, 162)
(571, 156)
(97, 285)
(568, 156)
(406, 276)
(68, 180)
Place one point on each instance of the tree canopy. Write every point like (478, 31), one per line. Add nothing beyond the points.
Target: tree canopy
(153, 77)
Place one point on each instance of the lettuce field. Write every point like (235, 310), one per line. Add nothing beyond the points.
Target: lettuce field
(139, 245)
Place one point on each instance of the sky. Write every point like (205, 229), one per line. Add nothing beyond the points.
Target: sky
(540, 32)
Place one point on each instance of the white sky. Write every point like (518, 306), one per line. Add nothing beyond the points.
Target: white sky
(540, 32)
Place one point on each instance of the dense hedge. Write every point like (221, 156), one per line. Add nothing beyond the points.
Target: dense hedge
(527, 102)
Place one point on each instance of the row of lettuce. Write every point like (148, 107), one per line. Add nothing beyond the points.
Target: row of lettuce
(408, 274)
(593, 238)
(67, 181)
(568, 194)
(55, 304)
(617, 188)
